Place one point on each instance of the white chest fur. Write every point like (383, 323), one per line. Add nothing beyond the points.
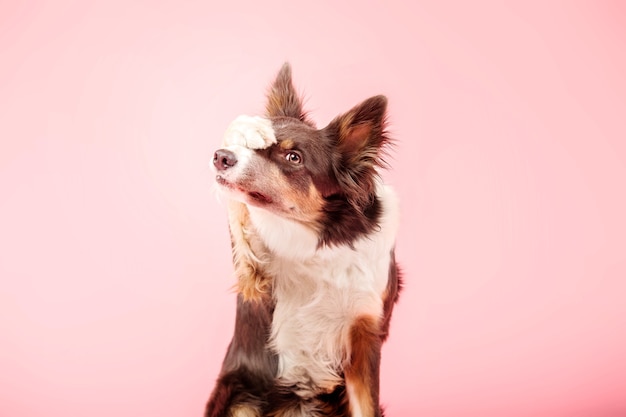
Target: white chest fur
(319, 293)
(316, 303)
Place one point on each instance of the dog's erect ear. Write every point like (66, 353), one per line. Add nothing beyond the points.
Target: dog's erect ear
(282, 99)
(359, 136)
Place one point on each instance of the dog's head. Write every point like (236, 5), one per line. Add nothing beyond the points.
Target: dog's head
(324, 178)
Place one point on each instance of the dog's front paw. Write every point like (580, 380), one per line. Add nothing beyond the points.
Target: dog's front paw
(253, 132)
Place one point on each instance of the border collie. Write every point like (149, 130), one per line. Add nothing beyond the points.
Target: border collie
(312, 229)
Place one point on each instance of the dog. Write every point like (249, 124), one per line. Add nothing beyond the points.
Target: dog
(313, 232)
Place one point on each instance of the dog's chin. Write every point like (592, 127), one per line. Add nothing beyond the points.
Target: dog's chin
(242, 194)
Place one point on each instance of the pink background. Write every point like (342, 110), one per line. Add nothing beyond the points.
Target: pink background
(510, 164)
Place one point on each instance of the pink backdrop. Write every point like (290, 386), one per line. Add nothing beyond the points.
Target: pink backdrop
(510, 164)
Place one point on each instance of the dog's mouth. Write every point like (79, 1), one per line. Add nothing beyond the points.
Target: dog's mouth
(255, 196)
(261, 198)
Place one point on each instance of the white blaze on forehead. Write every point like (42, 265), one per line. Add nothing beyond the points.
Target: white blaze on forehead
(252, 132)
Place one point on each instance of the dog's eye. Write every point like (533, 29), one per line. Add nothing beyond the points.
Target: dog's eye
(293, 157)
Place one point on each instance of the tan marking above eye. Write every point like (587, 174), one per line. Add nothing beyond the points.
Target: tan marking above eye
(287, 144)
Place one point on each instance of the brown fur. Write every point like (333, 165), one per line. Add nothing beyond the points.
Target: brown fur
(362, 371)
(283, 100)
(361, 137)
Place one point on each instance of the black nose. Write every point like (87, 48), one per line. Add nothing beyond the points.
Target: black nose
(224, 159)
